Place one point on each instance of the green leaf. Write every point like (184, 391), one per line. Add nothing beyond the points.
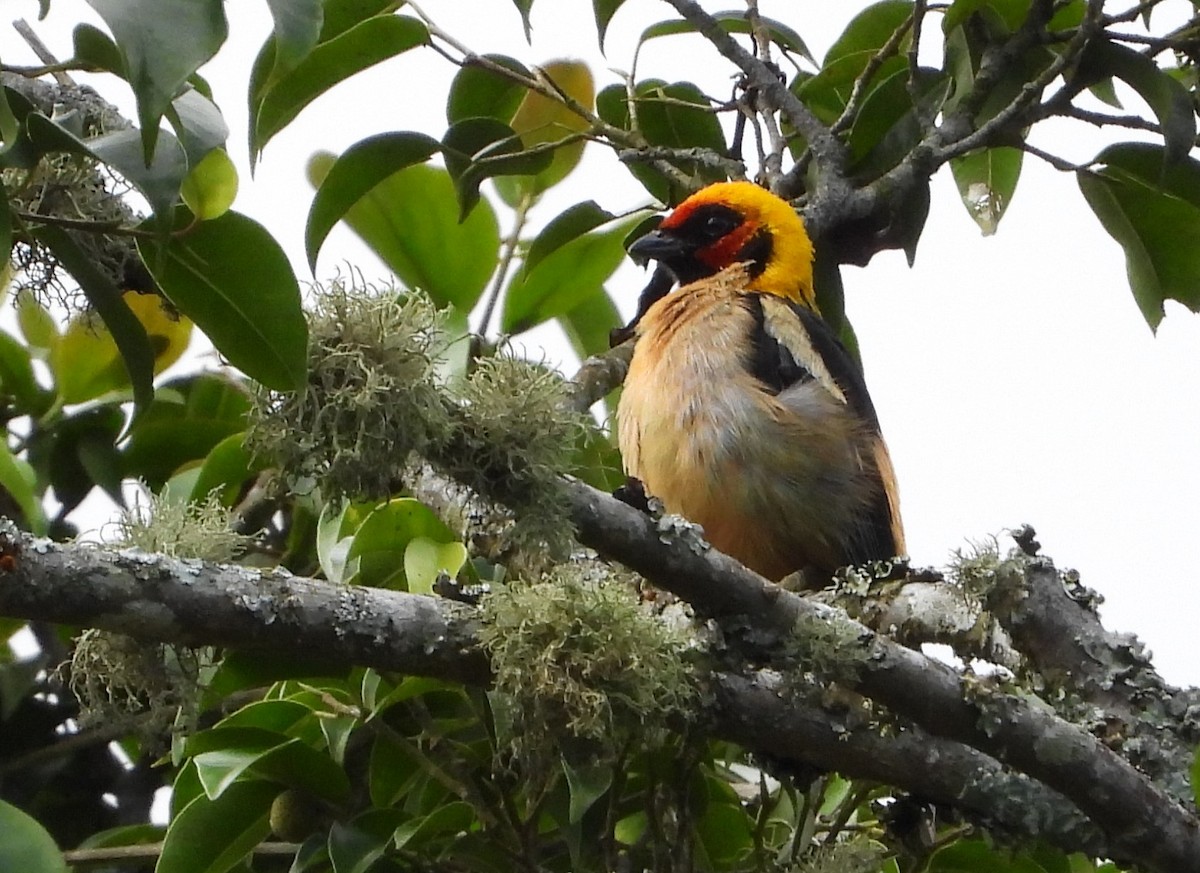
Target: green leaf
(986, 180)
(10, 129)
(213, 836)
(123, 326)
(267, 755)
(564, 278)
(663, 121)
(157, 178)
(362, 46)
(359, 170)
(540, 120)
(352, 850)
(587, 324)
(563, 228)
(1167, 98)
(186, 420)
(604, 10)
(411, 221)
(586, 784)
(731, 21)
(449, 818)
(1151, 206)
(198, 123)
(25, 845)
(163, 42)
(481, 148)
(725, 832)
(296, 31)
(380, 543)
(868, 32)
(36, 324)
(17, 379)
(69, 455)
(230, 276)
(19, 481)
(425, 560)
(227, 467)
(477, 92)
(523, 6)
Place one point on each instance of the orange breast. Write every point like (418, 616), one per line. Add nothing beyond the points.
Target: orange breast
(773, 481)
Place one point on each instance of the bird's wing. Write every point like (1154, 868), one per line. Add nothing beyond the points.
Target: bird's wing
(793, 347)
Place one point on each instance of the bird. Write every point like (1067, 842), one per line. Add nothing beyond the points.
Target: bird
(742, 411)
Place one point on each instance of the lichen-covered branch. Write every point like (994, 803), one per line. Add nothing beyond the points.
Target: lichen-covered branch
(160, 599)
(1140, 819)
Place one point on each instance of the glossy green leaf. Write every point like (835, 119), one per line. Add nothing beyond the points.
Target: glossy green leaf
(449, 818)
(198, 123)
(230, 276)
(425, 560)
(378, 550)
(411, 221)
(163, 42)
(477, 149)
(586, 783)
(10, 129)
(977, 856)
(19, 481)
(353, 850)
(362, 46)
(360, 169)
(477, 92)
(565, 278)
(25, 845)
(564, 227)
(261, 754)
(187, 420)
(869, 31)
(541, 121)
(297, 27)
(523, 6)
(734, 21)
(70, 455)
(227, 468)
(37, 326)
(17, 379)
(1169, 100)
(663, 121)
(725, 831)
(1151, 206)
(888, 126)
(211, 186)
(213, 836)
(157, 179)
(986, 180)
(392, 772)
(126, 330)
(587, 325)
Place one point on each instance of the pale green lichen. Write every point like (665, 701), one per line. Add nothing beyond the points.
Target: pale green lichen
(515, 439)
(371, 399)
(578, 659)
(182, 529)
(851, 856)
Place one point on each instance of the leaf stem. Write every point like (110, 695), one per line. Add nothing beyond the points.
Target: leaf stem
(506, 257)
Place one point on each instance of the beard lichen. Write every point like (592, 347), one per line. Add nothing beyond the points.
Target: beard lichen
(514, 441)
(115, 677)
(582, 666)
(371, 400)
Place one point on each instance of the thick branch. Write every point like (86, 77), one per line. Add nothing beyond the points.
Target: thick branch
(1141, 821)
(189, 602)
(152, 597)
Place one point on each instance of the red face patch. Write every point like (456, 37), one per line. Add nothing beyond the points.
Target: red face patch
(727, 249)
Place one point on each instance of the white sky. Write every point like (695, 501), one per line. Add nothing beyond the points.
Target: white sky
(1014, 376)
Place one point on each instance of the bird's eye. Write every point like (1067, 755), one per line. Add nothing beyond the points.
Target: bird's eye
(717, 225)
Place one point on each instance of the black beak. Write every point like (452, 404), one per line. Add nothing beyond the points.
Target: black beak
(658, 246)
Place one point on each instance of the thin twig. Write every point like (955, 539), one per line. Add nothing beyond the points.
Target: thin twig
(511, 242)
(859, 90)
(44, 54)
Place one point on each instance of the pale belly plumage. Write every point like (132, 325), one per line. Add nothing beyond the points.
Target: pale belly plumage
(774, 479)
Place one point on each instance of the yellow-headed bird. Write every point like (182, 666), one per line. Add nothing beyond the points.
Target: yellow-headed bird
(741, 411)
